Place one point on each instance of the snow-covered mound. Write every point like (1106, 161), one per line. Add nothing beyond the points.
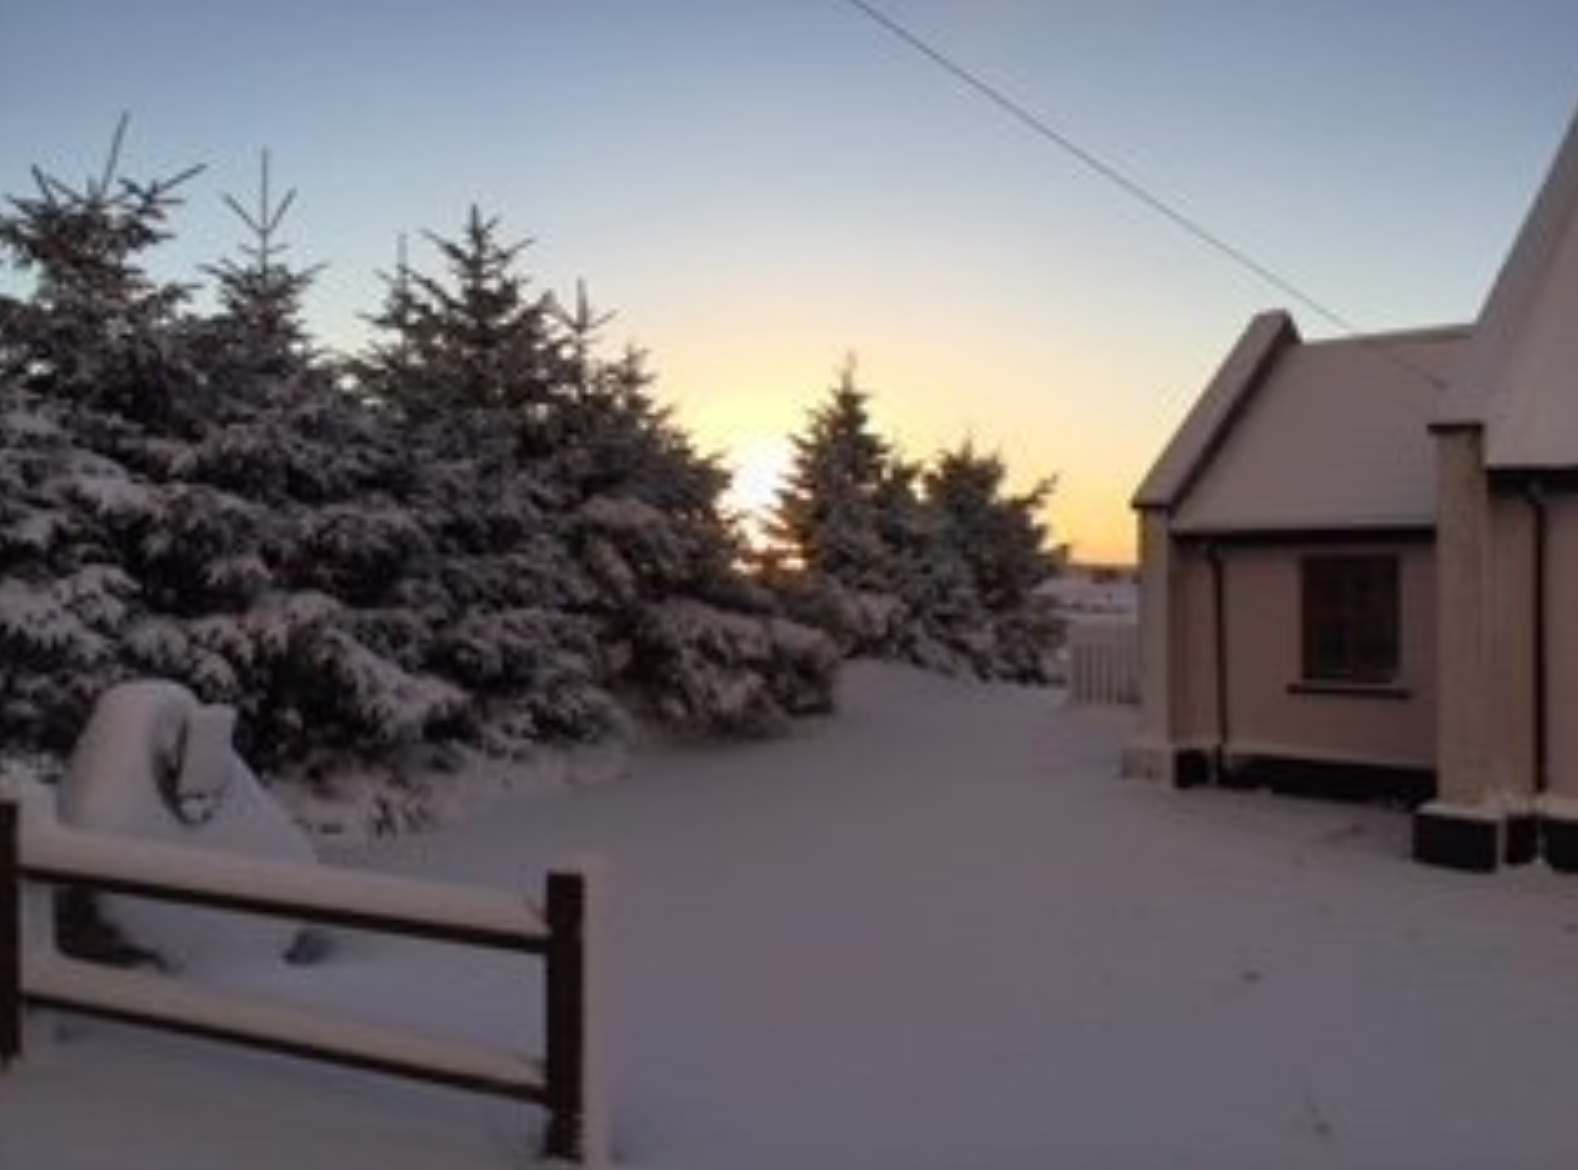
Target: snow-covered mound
(155, 763)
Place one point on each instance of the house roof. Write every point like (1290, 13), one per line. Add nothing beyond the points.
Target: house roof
(1519, 379)
(1209, 421)
(1302, 436)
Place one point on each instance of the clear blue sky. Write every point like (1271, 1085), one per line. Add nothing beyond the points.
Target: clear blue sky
(758, 187)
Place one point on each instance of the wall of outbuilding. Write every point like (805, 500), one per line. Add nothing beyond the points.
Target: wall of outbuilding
(1561, 646)
(1236, 661)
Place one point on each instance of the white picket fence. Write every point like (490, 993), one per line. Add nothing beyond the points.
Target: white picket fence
(1104, 661)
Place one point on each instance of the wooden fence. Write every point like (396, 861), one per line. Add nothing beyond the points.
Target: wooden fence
(1104, 661)
(36, 853)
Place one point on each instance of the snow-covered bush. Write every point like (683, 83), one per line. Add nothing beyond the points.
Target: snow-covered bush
(154, 764)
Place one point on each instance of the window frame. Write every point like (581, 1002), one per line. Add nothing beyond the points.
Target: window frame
(1350, 622)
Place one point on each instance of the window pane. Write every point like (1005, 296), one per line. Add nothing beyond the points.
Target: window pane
(1352, 619)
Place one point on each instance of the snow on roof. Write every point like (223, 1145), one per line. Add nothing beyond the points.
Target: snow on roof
(1330, 435)
(1520, 376)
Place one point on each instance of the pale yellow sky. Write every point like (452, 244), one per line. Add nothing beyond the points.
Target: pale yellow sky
(1090, 409)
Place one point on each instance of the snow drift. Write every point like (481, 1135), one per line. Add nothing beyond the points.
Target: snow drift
(155, 763)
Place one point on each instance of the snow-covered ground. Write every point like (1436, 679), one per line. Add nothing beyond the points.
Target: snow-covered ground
(933, 933)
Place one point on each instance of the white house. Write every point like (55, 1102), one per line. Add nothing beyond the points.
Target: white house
(1359, 565)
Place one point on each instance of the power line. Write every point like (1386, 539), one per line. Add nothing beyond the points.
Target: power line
(1120, 179)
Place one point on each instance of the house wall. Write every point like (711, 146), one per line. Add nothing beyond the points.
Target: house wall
(1192, 651)
(1510, 657)
(1150, 755)
(1267, 712)
(1562, 645)
(1271, 713)
(1513, 665)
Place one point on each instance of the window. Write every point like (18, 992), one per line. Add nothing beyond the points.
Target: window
(1352, 619)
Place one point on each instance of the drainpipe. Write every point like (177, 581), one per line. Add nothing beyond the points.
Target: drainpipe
(1213, 556)
(1534, 493)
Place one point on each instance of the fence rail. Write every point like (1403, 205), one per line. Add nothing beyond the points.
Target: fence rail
(35, 850)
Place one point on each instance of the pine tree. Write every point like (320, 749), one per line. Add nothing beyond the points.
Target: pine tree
(64, 601)
(462, 368)
(260, 329)
(997, 534)
(498, 538)
(390, 371)
(842, 479)
(935, 565)
(476, 337)
(991, 550)
(97, 327)
(93, 369)
(622, 540)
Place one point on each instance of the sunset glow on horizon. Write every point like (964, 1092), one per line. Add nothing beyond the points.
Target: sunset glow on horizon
(758, 189)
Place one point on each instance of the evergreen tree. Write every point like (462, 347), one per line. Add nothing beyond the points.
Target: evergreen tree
(502, 540)
(97, 327)
(92, 367)
(842, 479)
(392, 367)
(198, 519)
(997, 552)
(260, 329)
(475, 337)
(936, 566)
(630, 546)
(997, 533)
(64, 601)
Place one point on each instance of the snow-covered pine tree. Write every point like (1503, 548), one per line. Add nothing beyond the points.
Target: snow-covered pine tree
(702, 648)
(461, 366)
(475, 335)
(498, 533)
(261, 328)
(97, 328)
(395, 356)
(829, 511)
(845, 516)
(997, 539)
(64, 599)
(940, 621)
(936, 566)
(998, 533)
(297, 542)
(91, 357)
(625, 513)
(161, 528)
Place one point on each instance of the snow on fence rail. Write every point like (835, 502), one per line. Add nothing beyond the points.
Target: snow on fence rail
(36, 852)
(1104, 661)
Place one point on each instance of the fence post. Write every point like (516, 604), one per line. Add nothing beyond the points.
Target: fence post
(10, 933)
(566, 1009)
